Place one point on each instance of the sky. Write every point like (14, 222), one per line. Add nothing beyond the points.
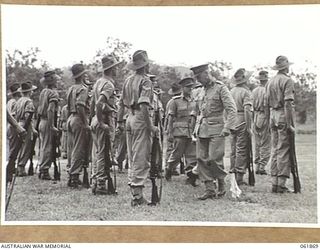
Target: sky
(188, 36)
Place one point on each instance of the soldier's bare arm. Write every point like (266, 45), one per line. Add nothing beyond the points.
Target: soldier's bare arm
(51, 111)
(230, 110)
(102, 100)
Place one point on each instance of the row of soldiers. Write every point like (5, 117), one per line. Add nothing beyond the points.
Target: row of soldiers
(198, 118)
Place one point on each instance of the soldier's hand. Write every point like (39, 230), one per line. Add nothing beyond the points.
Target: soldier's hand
(35, 133)
(120, 128)
(155, 131)
(170, 137)
(249, 131)
(225, 132)
(55, 130)
(105, 127)
(21, 132)
(291, 129)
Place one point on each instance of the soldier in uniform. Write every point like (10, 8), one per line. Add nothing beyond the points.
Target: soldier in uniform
(12, 132)
(63, 127)
(102, 123)
(174, 91)
(181, 121)
(261, 124)
(78, 123)
(137, 97)
(24, 110)
(212, 129)
(48, 105)
(280, 98)
(242, 132)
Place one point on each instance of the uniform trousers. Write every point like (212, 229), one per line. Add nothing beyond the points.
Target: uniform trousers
(80, 137)
(210, 150)
(183, 146)
(139, 142)
(46, 140)
(239, 150)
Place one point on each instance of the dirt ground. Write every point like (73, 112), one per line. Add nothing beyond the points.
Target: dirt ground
(35, 200)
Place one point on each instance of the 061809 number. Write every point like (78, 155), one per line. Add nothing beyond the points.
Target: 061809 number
(309, 245)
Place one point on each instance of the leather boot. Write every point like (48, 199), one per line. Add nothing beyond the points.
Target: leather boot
(168, 174)
(209, 193)
(239, 179)
(221, 187)
(101, 187)
(21, 171)
(274, 180)
(74, 181)
(137, 197)
(282, 186)
(44, 175)
(192, 178)
(120, 167)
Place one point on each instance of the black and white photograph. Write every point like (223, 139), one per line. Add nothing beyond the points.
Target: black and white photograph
(180, 115)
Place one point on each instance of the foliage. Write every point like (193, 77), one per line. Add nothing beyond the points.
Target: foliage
(22, 66)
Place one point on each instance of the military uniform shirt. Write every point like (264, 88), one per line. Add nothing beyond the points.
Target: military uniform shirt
(216, 100)
(182, 109)
(242, 97)
(259, 98)
(24, 105)
(77, 95)
(11, 107)
(280, 88)
(136, 90)
(105, 86)
(46, 96)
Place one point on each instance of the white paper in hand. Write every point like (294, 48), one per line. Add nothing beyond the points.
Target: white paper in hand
(235, 190)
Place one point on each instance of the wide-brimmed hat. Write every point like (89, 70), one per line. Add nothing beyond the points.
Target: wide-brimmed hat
(263, 76)
(78, 70)
(199, 69)
(152, 77)
(26, 87)
(187, 82)
(241, 76)
(108, 62)
(14, 88)
(139, 60)
(282, 62)
(47, 77)
(197, 85)
(175, 89)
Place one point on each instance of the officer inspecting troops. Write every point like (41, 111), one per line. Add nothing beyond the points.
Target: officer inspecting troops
(211, 130)
(242, 131)
(280, 98)
(48, 105)
(261, 124)
(78, 123)
(102, 123)
(137, 97)
(182, 115)
(24, 113)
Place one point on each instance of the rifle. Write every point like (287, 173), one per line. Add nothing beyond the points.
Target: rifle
(26, 127)
(56, 150)
(251, 178)
(85, 181)
(32, 153)
(294, 165)
(112, 189)
(156, 164)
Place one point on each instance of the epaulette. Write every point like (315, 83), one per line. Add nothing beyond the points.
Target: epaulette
(219, 82)
(176, 97)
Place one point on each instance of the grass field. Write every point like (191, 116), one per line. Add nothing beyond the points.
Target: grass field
(35, 200)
